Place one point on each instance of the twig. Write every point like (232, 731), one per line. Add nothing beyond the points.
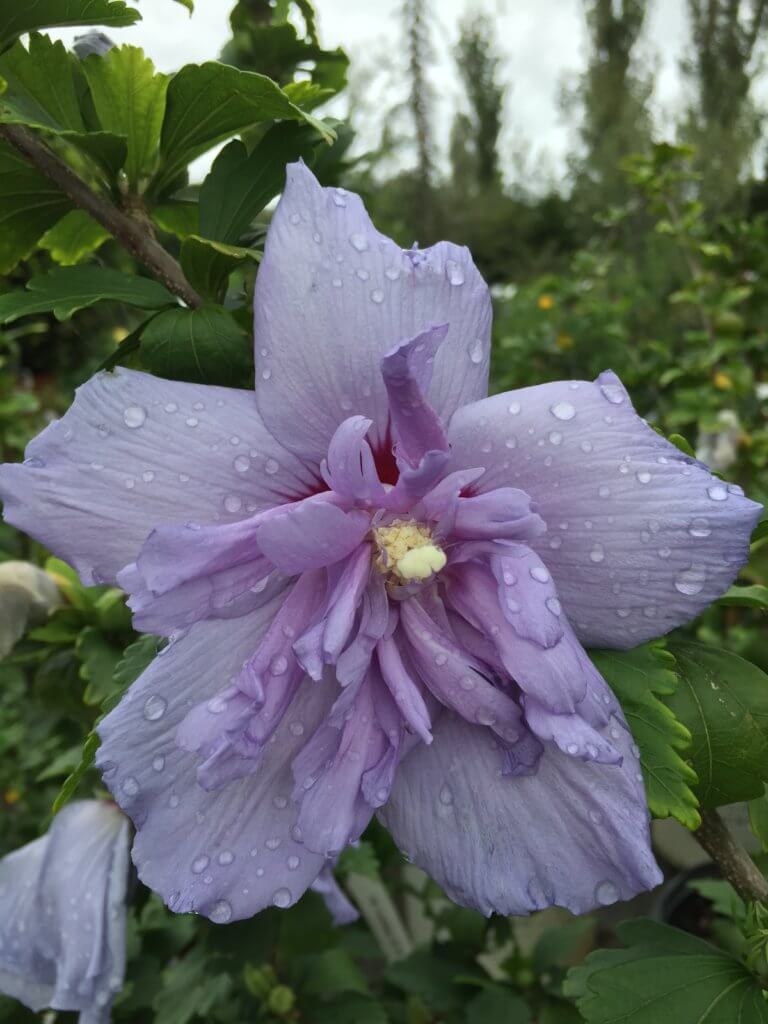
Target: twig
(128, 232)
(731, 857)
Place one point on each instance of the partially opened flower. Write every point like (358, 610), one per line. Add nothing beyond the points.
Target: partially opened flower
(62, 913)
(377, 582)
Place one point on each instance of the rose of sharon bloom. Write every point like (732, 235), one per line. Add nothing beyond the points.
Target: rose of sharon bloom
(377, 582)
(62, 913)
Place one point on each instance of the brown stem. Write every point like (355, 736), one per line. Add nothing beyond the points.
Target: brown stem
(130, 234)
(731, 857)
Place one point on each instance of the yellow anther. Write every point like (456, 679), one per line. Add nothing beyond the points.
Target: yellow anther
(407, 551)
(420, 563)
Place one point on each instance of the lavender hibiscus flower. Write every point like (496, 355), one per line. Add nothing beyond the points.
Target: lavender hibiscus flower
(377, 582)
(62, 913)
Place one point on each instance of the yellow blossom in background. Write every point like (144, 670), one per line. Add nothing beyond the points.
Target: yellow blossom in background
(11, 796)
(564, 341)
(545, 302)
(722, 381)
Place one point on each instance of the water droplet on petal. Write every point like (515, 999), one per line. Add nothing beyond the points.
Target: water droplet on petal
(242, 463)
(597, 554)
(281, 898)
(690, 581)
(605, 893)
(446, 796)
(130, 785)
(555, 437)
(154, 707)
(293, 862)
(377, 296)
(613, 393)
(278, 665)
(604, 492)
(540, 573)
(476, 351)
(171, 407)
(717, 493)
(192, 421)
(158, 763)
(221, 912)
(554, 605)
(134, 416)
(699, 527)
(233, 503)
(358, 242)
(643, 477)
(514, 408)
(225, 857)
(294, 218)
(563, 410)
(454, 273)
(271, 466)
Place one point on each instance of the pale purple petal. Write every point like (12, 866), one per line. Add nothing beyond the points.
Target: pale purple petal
(640, 537)
(135, 451)
(353, 663)
(452, 678)
(62, 913)
(417, 428)
(310, 534)
(332, 298)
(350, 469)
(572, 734)
(339, 907)
(571, 834)
(502, 514)
(402, 684)
(225, 854)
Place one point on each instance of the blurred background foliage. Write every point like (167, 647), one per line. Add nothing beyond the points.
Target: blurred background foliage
(650, 259)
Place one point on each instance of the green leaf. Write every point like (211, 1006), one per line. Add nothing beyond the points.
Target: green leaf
(18, 18)
(209, 102)
(664, 977)
(207, 265)
(497, 1005)
(188, 4)
(129, 98)
(72, 781)
(75, 236)
(723, 701)
(99, 659)
(29, 206)
(40, 88)
(240, 184)
(680, 442)
(66, 290)
(359, 860)
(331, 973)
(430, 978)
(755, 596)
(349, 1009)
(190, 989)
(640, 678)
(203, 345)
(177, 217)
(557, 946)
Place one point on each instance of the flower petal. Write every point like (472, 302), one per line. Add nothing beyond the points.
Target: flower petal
(332, 298)
(310, 535)
(406, 371)
(570, 834)
(225, 854)
(135, 451)
(71, 882)
(640, 537)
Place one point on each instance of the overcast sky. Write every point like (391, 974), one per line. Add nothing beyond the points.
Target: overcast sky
(542, 42)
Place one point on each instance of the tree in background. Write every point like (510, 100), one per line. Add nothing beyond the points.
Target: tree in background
(613, 94)
(475, 135)
(421, 204)
(722, 120)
